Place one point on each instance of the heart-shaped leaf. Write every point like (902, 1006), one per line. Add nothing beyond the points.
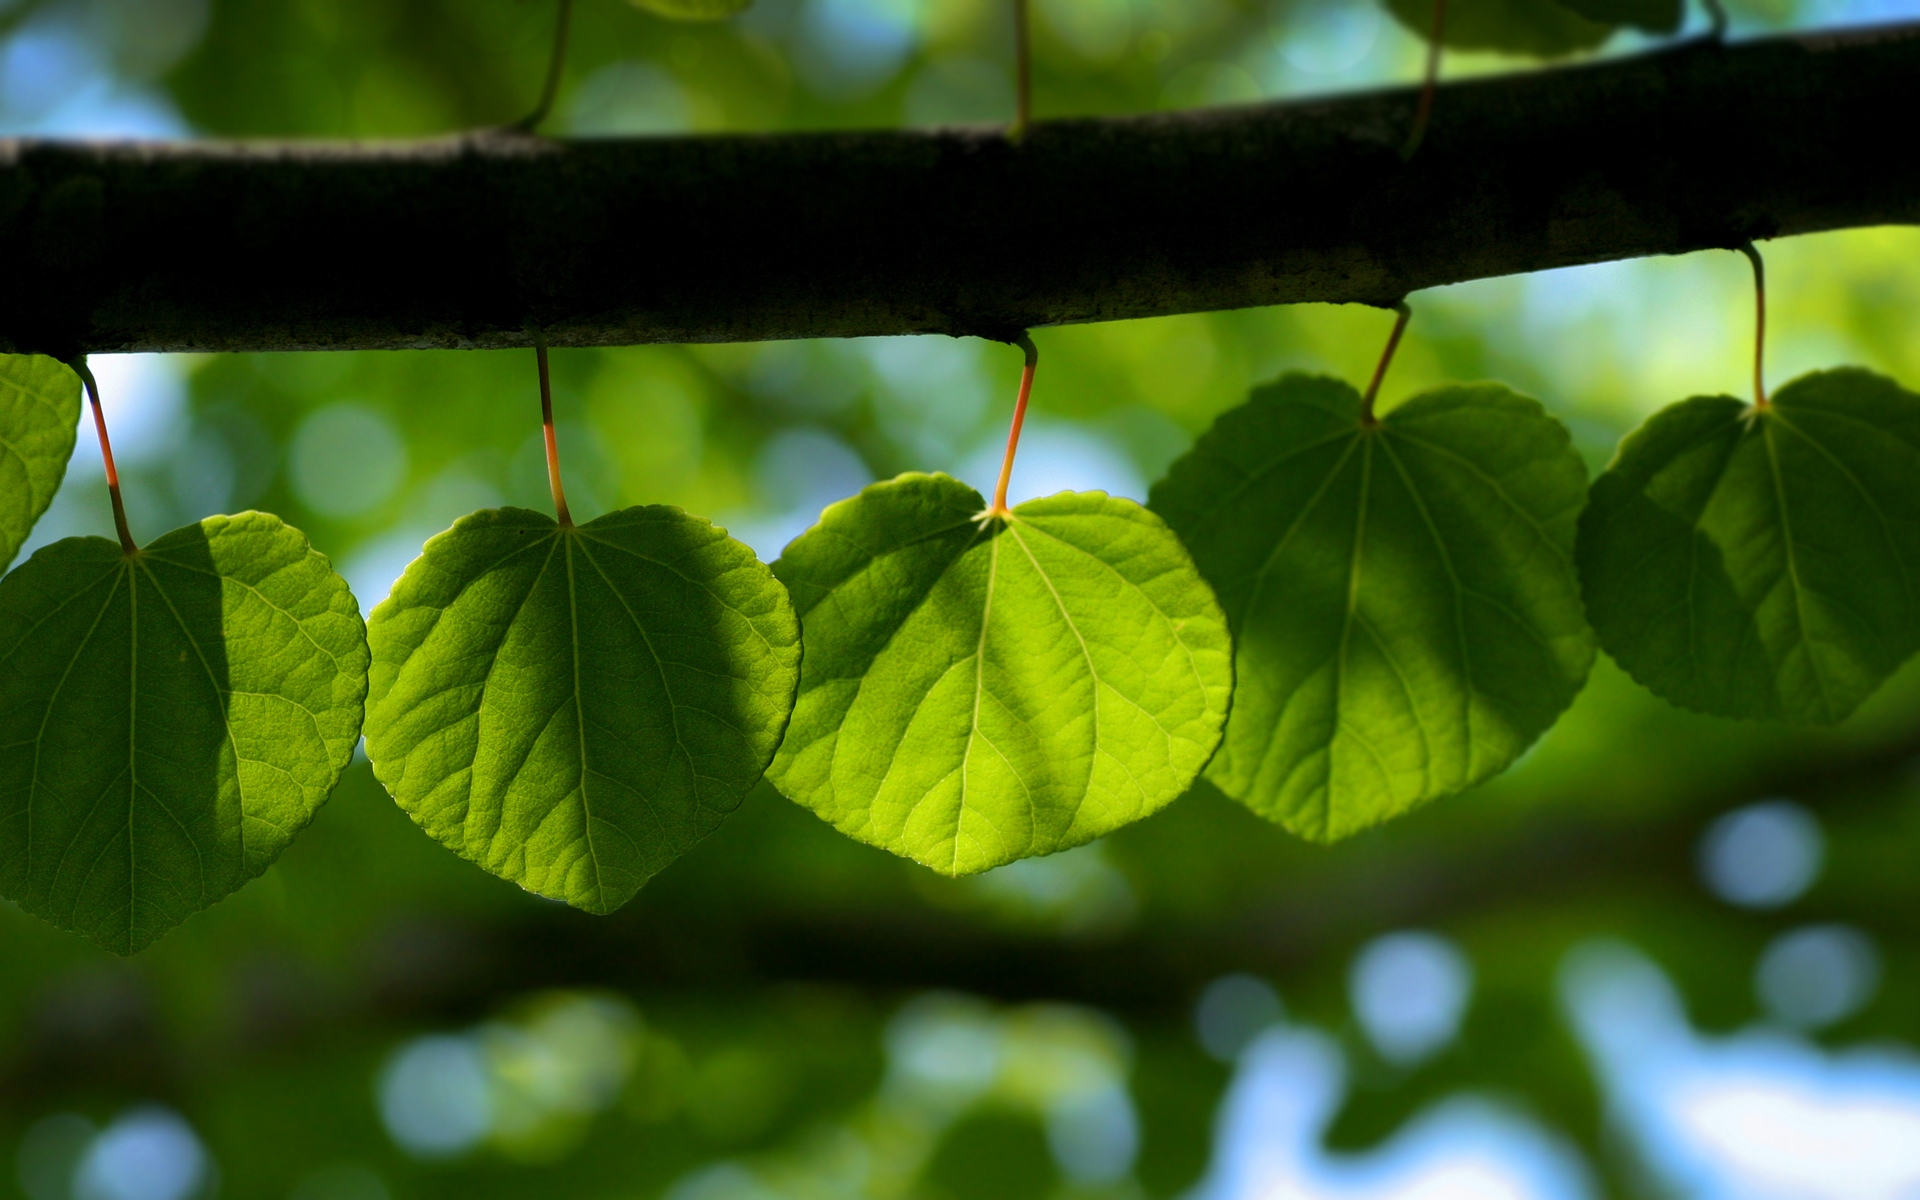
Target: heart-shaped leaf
(39, 409)
(1763, 562)
(174, 717)
(975, 692)
(693, 10)
(573, 707)
(1405, 611)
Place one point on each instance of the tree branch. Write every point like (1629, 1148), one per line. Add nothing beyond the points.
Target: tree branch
(464, 242)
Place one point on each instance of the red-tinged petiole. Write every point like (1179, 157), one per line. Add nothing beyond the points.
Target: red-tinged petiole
(560, 512)
(79, 366)
(1367, 418)
(999, 506)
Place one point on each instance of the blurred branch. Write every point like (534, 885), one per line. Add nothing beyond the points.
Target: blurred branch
(466, 242)
(1557, 858)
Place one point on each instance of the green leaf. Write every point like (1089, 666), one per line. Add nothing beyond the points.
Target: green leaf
(174, 717)
(693, 10)
(573, 707)
(1649, 16)
(977, 692)
(1763, 563)
(1540, 28)
(39, 409)
(1405, 611)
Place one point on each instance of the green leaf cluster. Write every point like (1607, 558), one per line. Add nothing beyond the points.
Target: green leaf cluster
(1336, 618)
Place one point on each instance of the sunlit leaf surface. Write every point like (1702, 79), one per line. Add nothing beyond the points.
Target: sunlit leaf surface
(976, 692)
(573, 707)
(39, 408)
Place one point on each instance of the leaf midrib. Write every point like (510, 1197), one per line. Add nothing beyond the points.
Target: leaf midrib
(1793, 569)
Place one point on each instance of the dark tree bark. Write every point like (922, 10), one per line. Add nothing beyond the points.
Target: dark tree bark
(463, 242)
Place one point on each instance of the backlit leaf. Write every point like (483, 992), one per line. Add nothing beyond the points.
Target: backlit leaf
(1405, 611)
(573, 707)
(173, 718)
(1763, 563)
(39, 408)
(978, 692)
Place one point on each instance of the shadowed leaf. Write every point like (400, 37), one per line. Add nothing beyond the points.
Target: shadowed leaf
(173, 718)
(1405, 611)
(1763, 563)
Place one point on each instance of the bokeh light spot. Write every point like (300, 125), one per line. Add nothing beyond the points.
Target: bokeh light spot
(347, 460)
(1232, 1011)
(1410, 991)
(435, 1097)
(1764, 855)
(148, 1154)
(1818, 974)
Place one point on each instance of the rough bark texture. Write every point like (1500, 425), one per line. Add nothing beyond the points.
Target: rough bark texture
(462, 242)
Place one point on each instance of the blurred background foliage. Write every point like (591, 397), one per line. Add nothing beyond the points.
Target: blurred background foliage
(787, 1014)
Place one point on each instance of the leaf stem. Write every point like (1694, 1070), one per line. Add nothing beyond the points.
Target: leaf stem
(1424, 112)
(1759, 322)
(127, 545)
(999, 506)
(1716, 20)
(560, 512)
(556, 65)
(1022, 71)
(1367, 418)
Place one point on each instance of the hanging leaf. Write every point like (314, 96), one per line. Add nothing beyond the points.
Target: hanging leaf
(39, 409)
(573, 707)
(1763, 562)
(1540, 28)
(978, 692)
(693, 10)
(1405, 611)
(174, 718)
